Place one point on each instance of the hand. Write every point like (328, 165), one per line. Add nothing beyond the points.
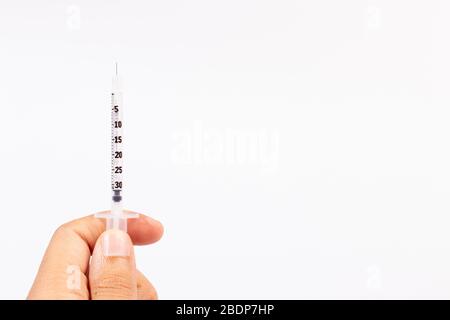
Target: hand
(67, 272)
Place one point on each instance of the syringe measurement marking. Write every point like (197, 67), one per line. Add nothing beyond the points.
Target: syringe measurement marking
(116, 142)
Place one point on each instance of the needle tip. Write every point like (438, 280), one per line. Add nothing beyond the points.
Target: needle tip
(116, 69)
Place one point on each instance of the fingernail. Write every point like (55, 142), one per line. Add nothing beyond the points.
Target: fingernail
(116, 243)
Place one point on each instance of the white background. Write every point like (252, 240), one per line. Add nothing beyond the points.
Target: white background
(335, 182)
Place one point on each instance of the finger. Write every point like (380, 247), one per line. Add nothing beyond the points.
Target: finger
(62, 274)
(112, 273)
(146, 291)
(143, 230)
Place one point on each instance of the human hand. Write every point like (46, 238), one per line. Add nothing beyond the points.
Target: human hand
(67, 270)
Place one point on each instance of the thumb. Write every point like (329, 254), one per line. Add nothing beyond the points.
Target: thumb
(112, 273)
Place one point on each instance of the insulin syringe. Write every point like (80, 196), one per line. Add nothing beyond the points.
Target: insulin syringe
(117, 219)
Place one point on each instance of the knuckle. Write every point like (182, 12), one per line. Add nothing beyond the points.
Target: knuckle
(114, 285)
(62, 230)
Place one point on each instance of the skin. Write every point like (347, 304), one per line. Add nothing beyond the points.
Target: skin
(79, 245)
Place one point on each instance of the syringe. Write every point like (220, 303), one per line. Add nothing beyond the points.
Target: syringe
(117, 219)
